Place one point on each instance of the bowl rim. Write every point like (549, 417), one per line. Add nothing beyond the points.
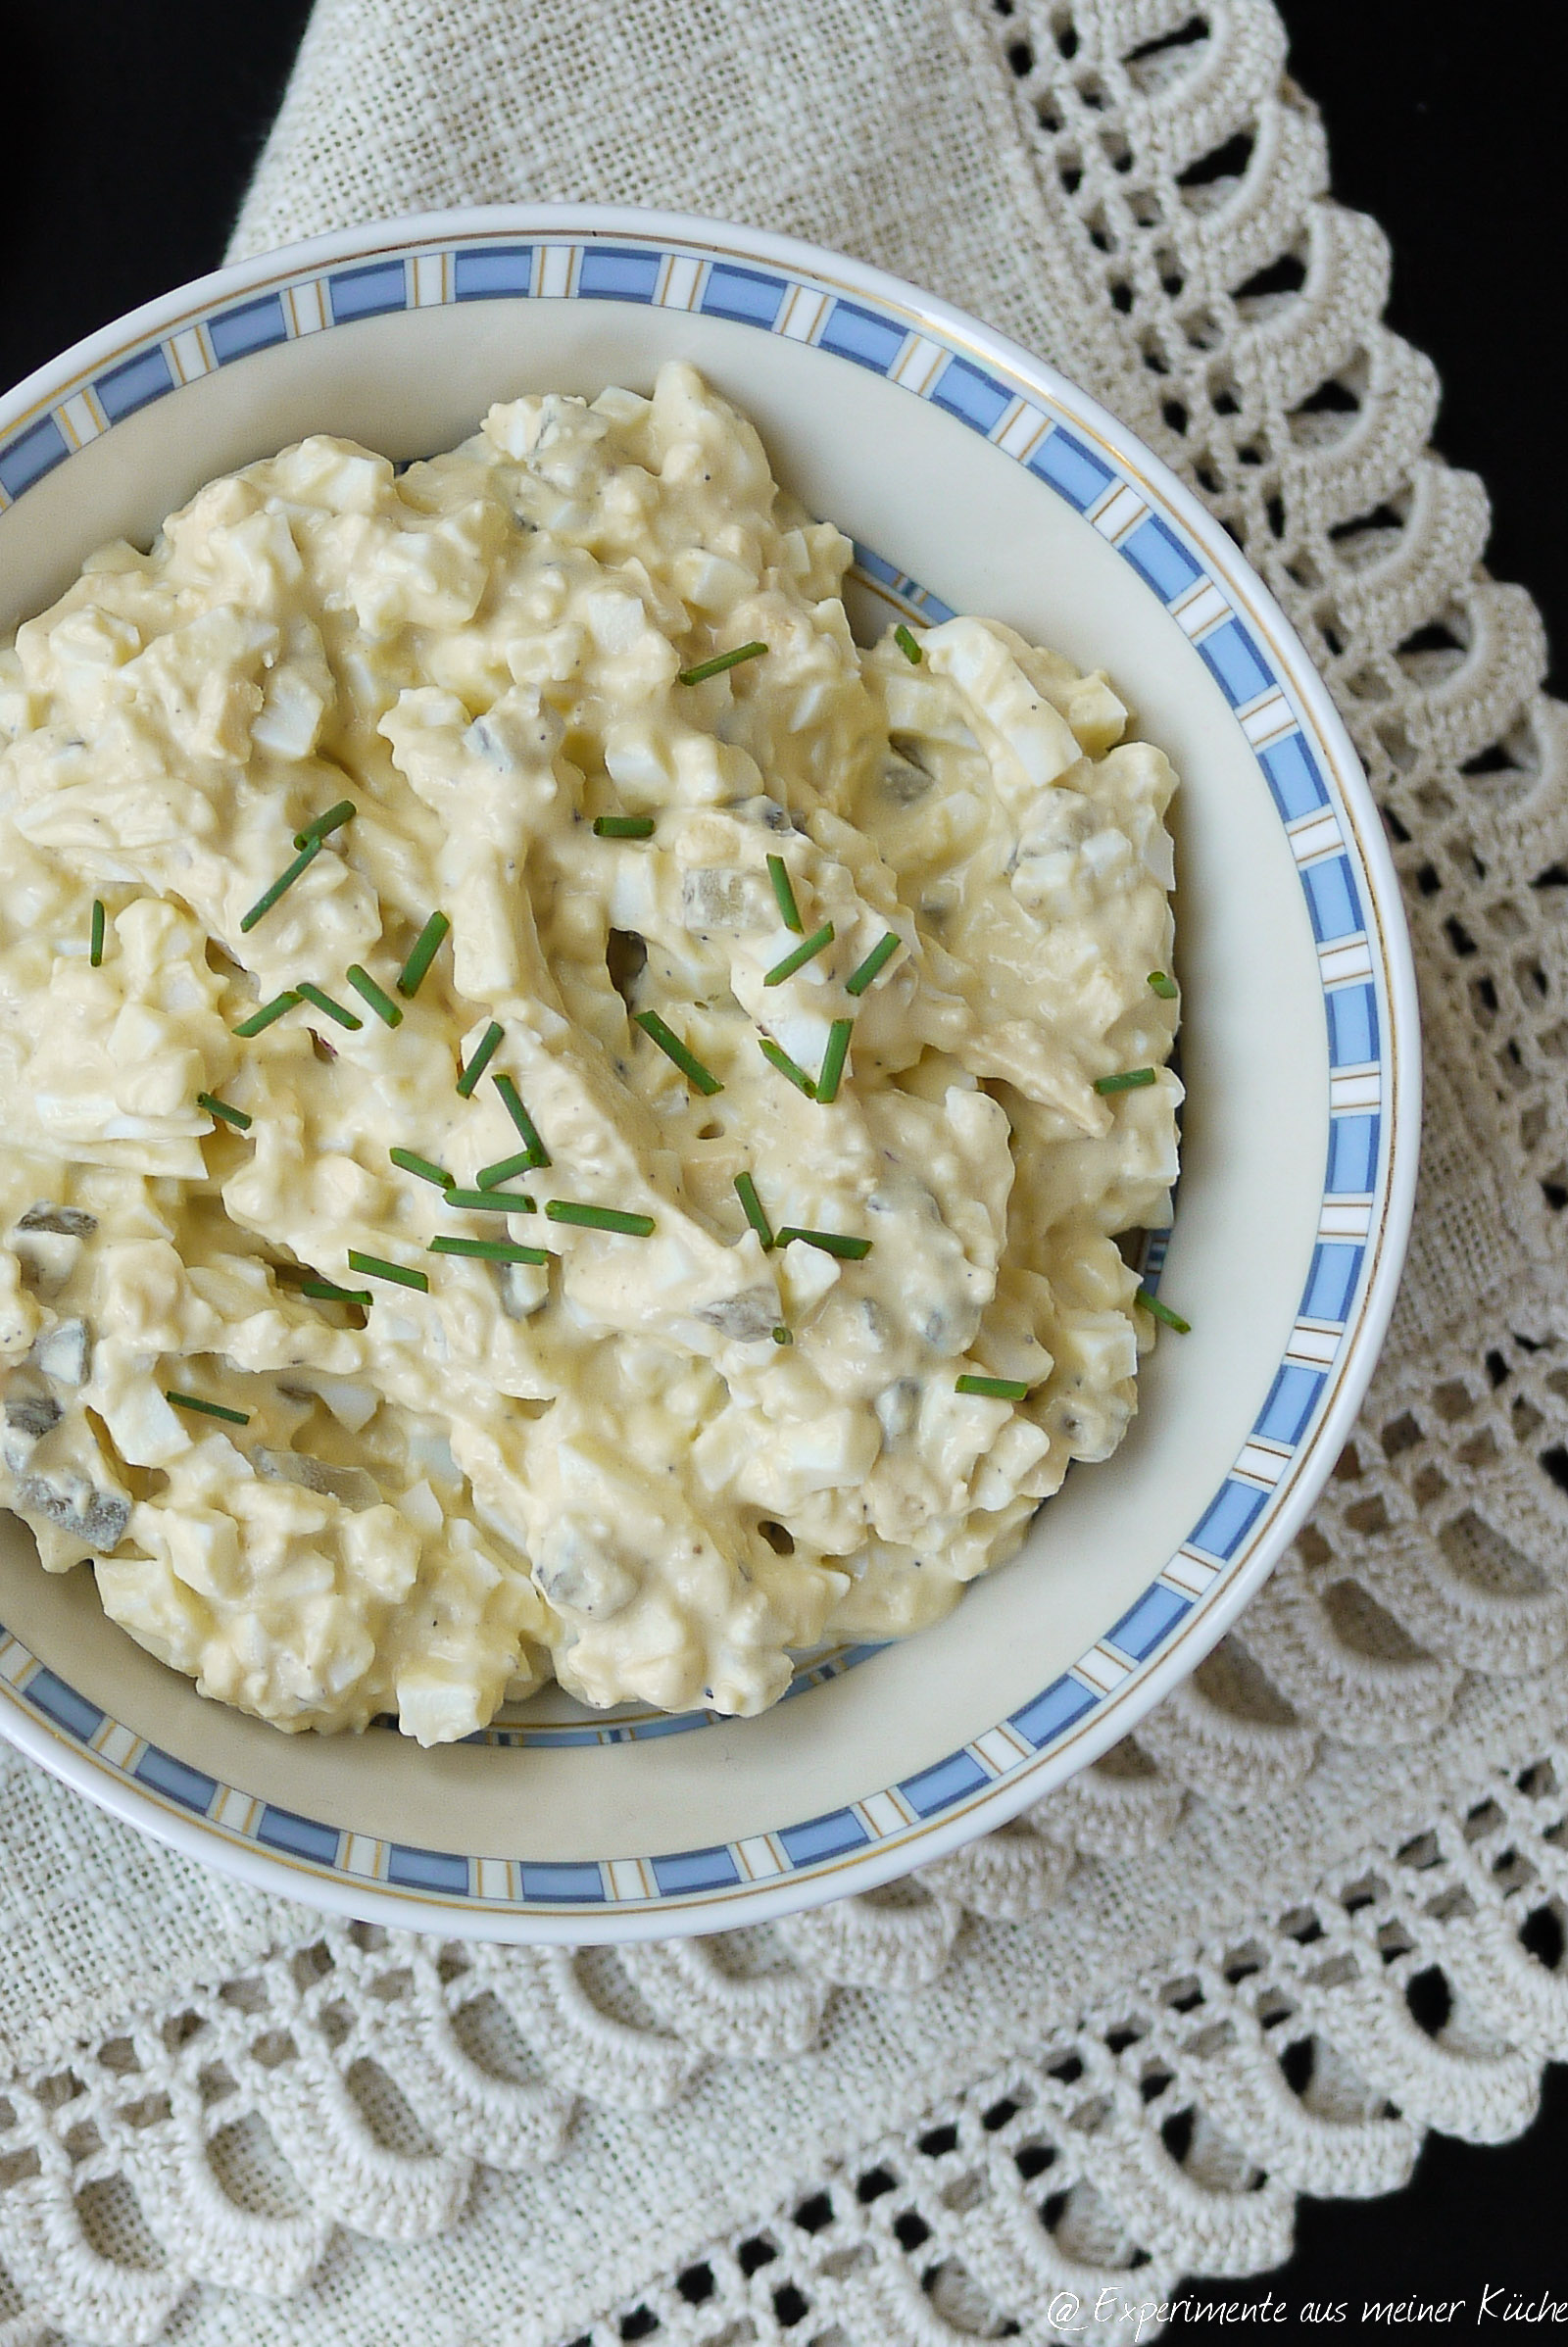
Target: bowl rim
(1113, 1711)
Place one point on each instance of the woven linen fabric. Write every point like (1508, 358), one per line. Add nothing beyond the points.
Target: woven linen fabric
(1310, 1909)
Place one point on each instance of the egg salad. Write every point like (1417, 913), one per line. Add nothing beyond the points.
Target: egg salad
(561, 1118)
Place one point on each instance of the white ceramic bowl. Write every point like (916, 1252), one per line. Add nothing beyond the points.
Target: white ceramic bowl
(964, 465)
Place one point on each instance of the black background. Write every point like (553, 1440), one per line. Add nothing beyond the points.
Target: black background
(130, 132)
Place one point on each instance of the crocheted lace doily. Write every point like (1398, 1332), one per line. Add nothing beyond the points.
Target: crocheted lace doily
(1314, 1907)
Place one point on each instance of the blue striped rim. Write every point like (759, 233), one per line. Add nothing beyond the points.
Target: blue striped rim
(826, 1836)
(492, 274)
(1043, 1720)
(747, 295)
(1158, 556)
(367, 292)
(1228, 1517)
(1353, 1025)
(301, 1836)
(166, 1775)
(1292, 1397)
(249, 326)
(939, 1788)
(427, 1869)
(686, 1871)
(1352, 1155)
(1235, 662)
(1071, 469)
(859, 335)
(967, 393)
(1293, 777)
(63, 1705)
(1143, 1624)
(572, 1883)
(618, 273)
(1331, 1283)
(1331, 899)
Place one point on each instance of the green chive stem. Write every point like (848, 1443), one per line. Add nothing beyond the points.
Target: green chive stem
(831, 1243)
(312, 992)
(381, 1003)
(798, 956)
(623, 827)
(375, 1267)
(1133, 1080)
(1173, 1320)
(269, 1011)
(319, 825)
(778, 1057)
(327, 1291)
(599, 1218)
(720, 662)
(789, 912)
(833, 1059)
(873, 966)
(489, 1201)
(490, 1177)
(527, 1130)
(485, 1051)
(490, 1250)
(995, 1389)
(208, 1409)
(1164, 985)
(424, 1167)
(95, 950)
(907, 644)
(285, 880)
(783, 1336)
(669, 1042)
(752, 1205)
(223, 1108)
(426, 945)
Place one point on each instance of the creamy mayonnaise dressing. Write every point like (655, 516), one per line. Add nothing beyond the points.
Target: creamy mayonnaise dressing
(655, 1462)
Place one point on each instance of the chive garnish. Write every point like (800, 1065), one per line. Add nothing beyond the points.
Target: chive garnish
(719, 663)
(1133, 1080)
(599, 1218)
(669, 1042)
(1162, 985)
(783, 1336)
(995, 1389)
(833, 1059)
(798, 956)
(375, 1267)
(95, 950)
(426, 945)
(752, 1204)
(364, 985)
(208, 1409)
(1173, 1320)
(422, 1167)
(789, 912)
(269, 1011)
(319, 825)
(527, 1130)
(490, 1202)
(490, 1177)
(623, 827)
(780, 1058)
(485, 1051)
(312, 992)
(327, 1291)
(907, 644)
(216, 1107)
(874, 963)
(285, 880)
(831, 1243)
(490, 1250)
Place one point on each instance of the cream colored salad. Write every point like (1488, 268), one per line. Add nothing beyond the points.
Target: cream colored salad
(561, 1119)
